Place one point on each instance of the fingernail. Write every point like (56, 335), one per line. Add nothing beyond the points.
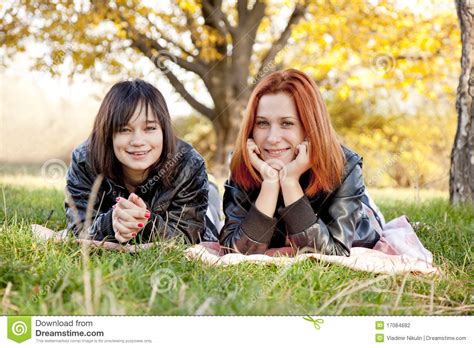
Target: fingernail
(134, 234)
(147, 215)
(140, 225)
(117, 199)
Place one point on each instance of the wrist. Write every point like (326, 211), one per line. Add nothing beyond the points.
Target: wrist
(273, 182)
(289, 182)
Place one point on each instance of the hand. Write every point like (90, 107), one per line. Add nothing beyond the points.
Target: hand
(129, 217)
(293, 170)
(267, 172)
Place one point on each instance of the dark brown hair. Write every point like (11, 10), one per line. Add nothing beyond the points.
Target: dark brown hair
(327, 157)
(116, 110)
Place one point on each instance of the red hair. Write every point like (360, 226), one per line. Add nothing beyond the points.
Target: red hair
(327, 157)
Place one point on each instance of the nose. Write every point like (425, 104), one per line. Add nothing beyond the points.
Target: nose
(274, 136)
(136, 139)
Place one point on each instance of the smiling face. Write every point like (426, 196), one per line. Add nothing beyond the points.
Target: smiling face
(277, 129)
(138, 145)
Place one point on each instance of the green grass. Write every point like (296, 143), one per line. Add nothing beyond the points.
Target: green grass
(44, 278)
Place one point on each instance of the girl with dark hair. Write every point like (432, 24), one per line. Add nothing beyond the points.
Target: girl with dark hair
(153, 184)
(292, 183)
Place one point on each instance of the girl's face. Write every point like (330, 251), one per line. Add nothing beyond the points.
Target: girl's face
(138, 145)
(277, 129)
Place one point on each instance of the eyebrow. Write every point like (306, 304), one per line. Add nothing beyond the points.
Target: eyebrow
(145, 123)
(281, 117)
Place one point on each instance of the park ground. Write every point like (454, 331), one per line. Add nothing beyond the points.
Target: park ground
(44, 278)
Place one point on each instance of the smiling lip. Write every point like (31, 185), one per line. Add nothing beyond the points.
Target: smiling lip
(276, 152)
(138, 154)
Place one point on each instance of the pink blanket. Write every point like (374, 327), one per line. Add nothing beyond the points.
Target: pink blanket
(398, 251)
(45, 233)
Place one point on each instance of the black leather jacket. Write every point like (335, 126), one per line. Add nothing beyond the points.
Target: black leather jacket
(176, 210)
(327, 223)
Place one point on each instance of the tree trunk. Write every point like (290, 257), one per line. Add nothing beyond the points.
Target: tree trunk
(223, 131)
(227, 125)
(461, 183)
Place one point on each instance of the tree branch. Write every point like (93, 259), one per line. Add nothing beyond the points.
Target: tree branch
(136, 36)
(278, 45)
(172, 42)
(255, 15)
(145, 45)
(217, 15)
(177, 45)
(417, 56)
(178, 86)
(189, 25)
(242, 11)
(198, 69)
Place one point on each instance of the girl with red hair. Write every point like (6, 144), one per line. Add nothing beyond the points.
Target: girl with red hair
(292, 182)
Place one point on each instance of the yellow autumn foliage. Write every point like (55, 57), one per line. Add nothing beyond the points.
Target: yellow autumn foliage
(408, 151)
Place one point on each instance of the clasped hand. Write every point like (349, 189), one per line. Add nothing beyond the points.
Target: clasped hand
(129, 217)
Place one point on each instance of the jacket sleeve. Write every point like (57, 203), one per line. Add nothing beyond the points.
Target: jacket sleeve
(186, 213)
(246, 229)
(79, 184)
(307, 230)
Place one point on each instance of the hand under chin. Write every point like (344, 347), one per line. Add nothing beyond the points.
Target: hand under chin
(277, 165)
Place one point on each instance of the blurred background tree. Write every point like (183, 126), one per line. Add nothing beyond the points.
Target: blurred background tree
(197, 130)
(387, 68)
(461, 184)
(212, 40)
